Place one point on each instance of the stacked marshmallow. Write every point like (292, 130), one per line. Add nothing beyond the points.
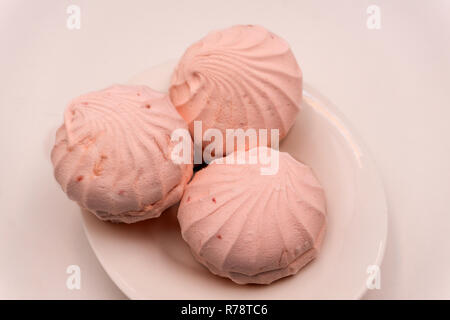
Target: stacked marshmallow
(249, 227)
(240, 77)
(112, 156)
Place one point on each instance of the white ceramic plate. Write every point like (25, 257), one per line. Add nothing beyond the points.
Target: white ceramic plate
(149, 260)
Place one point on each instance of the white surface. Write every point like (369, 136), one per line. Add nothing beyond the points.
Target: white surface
(392, 84)
(152, 254)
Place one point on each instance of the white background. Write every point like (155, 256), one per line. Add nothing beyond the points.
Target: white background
(393, 84)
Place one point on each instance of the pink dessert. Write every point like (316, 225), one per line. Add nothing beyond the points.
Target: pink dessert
(112, 154)
(254, 228)
(240, 77)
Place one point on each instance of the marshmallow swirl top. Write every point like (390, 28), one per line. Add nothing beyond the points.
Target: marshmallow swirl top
(240, 77)
(112, 154)
(254, 228)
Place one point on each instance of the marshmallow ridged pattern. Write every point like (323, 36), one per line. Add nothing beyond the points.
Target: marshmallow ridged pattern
(112, 154)
(254, 228)
(240, 77)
